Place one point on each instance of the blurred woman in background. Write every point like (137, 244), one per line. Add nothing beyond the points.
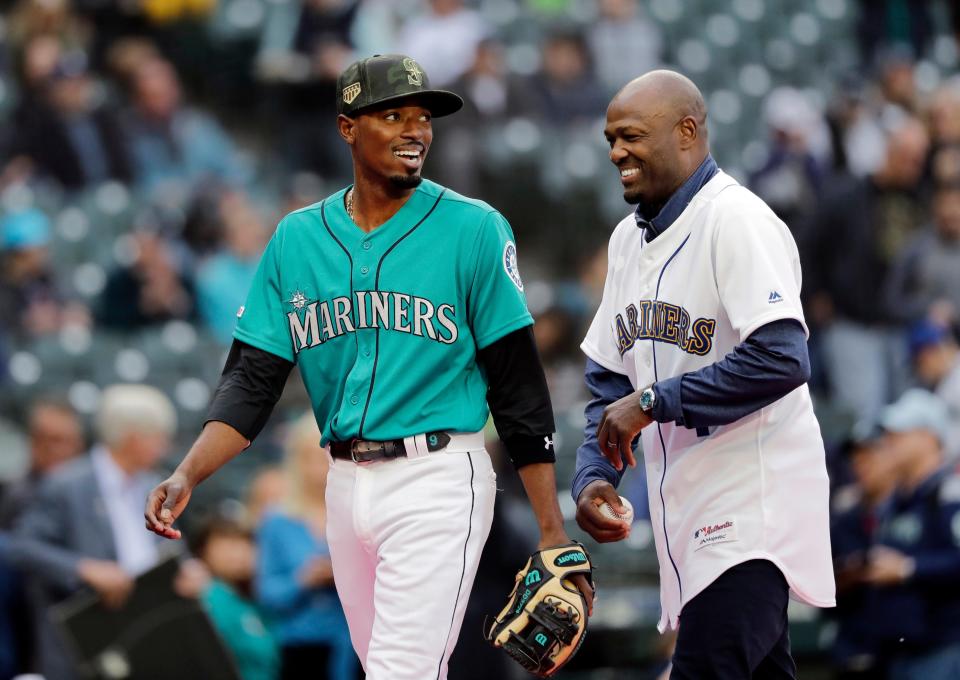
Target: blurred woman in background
(294, 575)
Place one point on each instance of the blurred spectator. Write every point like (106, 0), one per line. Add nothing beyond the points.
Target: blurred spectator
(85, 526)
(154, 289)
(925, 279)
(38, 60)
(855, 514)
(31, 303)
(490, 92)
(944, 116)
(443, 39)
(492, 95)
(893, 23)
(623, 42)
(267, 488)
(872, 218)
(224, 279)
(566, 91)
(30, 18)
(55, 437)
(791, 177)
(936, 362)
(71, 135)
(176, 148)
(229, 554)
(304, 47)
(915, 565)
(897, 83)
(857, 135)
(295, 576)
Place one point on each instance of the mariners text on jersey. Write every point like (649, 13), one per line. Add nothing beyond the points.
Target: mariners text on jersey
(664, 322)
(315, 322)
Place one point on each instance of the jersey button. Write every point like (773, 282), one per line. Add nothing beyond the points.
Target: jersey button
(354, 400)
(366, 245)
(364, 269)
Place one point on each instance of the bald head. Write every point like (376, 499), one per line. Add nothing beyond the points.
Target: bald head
(657, 130)
(670, 92)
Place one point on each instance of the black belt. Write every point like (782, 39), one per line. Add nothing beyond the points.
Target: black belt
(365, 451)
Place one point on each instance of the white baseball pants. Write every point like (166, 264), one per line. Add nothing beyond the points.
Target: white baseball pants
(405, 539)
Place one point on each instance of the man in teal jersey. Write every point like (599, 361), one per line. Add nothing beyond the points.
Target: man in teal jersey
(402, 304)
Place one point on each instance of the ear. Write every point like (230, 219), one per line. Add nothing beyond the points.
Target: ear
(347, 127)
(688, 131)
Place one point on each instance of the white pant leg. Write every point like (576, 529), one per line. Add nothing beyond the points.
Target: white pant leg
(354, 559)
(430, 517)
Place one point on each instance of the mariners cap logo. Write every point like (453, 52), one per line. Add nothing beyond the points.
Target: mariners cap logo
(351, 92)
(414, 72)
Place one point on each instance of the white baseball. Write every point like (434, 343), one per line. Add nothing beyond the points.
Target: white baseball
(607, 511)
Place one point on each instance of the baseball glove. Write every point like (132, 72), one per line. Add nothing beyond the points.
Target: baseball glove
(545, 620)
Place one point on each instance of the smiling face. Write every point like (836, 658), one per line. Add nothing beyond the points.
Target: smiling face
(390, 143)
(656, 138)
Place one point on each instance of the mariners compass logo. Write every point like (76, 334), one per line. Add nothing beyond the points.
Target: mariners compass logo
(510, 264)
(298, 300)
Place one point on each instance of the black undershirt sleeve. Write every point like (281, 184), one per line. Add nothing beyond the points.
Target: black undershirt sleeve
(518, 397)
(250, 386)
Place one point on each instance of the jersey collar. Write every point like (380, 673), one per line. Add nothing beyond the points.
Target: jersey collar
(678, 202)
(352, 236)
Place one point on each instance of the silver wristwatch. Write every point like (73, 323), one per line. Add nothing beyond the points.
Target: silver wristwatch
(647, 400)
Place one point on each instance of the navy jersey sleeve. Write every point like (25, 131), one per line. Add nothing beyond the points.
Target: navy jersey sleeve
(606, 387)
(769, 364)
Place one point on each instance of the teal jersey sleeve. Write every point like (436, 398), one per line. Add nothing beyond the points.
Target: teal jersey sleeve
(261, 320)
(496, 301)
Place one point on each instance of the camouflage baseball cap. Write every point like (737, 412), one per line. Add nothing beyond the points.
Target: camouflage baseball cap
(387, 77)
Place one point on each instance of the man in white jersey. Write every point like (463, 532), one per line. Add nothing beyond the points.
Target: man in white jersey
(699, 346)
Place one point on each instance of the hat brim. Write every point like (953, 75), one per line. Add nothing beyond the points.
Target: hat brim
(439, 102)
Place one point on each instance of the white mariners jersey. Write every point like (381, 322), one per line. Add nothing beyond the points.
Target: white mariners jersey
(756, 488)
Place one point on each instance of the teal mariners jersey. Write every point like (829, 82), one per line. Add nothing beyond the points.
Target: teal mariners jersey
(385, 326)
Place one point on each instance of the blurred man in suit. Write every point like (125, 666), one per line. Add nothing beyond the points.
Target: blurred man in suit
(55, 437)
(79, 532)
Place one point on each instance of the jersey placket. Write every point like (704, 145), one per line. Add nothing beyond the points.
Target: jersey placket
(366, 258)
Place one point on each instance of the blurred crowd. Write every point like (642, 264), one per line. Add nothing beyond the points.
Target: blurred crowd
(148, 148)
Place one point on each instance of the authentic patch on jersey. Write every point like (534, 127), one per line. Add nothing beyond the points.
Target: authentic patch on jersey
(510, 264)
(241, 311)
(712, 534)
(351, 92)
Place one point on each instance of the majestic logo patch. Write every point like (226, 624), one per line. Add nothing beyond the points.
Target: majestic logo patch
(510, 264)
(351, 92)
(774, 297)
(711, 534)
(414, 72)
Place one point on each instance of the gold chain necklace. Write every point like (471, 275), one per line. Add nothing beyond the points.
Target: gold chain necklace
(350, 203)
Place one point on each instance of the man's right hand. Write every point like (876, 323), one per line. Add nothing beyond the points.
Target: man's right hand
(603, 529)
(165, 504)
(110, 581)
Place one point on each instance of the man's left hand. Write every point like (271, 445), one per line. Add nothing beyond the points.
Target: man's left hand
(621, 423)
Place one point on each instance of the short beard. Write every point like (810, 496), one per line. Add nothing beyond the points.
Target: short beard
(632, 197)
(406, 181)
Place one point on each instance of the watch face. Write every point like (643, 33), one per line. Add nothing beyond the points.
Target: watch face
(646, 399)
